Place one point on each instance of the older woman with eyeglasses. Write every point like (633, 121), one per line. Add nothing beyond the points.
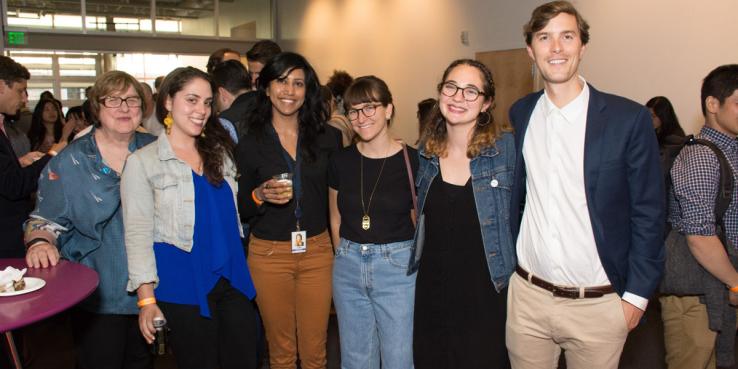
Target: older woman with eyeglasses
(78, 217)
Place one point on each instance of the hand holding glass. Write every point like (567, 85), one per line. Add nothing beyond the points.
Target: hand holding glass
(277, 190)
(284, 181)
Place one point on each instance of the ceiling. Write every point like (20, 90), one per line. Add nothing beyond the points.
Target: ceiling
(191, 9)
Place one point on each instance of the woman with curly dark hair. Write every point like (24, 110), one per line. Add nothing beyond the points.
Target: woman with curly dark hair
(183, 234)
(283, 163)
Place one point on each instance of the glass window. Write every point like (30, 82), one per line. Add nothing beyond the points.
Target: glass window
(52, 14)
(65, 74)
(146, 67)
(96, 23)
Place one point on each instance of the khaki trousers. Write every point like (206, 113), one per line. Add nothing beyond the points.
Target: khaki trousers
(690, 344)
(539, 325)
(293, 292)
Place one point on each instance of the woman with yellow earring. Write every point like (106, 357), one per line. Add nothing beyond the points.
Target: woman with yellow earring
(180, 218)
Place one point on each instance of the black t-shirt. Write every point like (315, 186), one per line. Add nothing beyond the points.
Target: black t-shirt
(258, 158)
(392, 201)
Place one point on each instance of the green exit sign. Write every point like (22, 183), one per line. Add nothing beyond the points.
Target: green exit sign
(17, 38)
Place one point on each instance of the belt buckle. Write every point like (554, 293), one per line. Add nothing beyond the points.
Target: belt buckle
(563, 292)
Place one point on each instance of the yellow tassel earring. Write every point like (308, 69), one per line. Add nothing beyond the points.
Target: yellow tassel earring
(168, 121)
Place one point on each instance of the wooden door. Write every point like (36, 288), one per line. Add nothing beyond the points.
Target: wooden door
(512, 71)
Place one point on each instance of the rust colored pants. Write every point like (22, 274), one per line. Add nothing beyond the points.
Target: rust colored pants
(293, 292)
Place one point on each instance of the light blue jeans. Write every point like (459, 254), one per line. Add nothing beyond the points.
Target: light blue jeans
(374, 299)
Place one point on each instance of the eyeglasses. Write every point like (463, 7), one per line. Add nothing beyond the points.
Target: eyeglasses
(368, 111)
(115, 101)
(468, 93)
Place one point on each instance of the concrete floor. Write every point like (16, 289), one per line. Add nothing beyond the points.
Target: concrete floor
(644, 348)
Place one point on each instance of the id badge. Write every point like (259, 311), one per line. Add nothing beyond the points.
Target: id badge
(299, 242)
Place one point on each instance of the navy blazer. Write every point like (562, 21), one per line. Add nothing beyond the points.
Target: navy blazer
(624, 187)
(16, 187)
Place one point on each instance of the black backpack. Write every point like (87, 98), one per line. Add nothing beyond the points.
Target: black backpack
(682, 273)
(725, 192)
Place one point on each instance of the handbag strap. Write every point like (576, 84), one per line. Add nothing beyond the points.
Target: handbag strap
(410, 178)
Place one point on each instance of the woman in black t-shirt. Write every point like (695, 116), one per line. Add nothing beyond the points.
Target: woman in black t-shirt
(290, 254)
(372, 229)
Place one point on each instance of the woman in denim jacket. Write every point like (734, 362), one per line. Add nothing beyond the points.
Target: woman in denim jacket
(466, 163)
(371, 226)
(183, 234)
(78, 218)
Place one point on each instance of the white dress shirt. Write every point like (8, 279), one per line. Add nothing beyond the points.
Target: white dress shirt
(556, 241)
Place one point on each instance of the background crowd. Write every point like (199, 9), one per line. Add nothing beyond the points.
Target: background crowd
(244, 202)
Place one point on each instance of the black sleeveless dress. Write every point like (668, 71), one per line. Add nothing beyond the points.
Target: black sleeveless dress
(459, 317)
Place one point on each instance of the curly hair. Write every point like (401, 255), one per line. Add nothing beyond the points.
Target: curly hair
(215, 144)
(339, 82)
(313, 113)
(435, 134)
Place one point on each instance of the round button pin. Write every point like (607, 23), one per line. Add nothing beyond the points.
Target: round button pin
(494, 183)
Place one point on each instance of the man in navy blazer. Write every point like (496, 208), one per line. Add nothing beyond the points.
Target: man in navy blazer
(587, 208)
(17, 182)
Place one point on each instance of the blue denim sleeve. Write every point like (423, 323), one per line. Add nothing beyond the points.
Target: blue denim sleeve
(51, 204)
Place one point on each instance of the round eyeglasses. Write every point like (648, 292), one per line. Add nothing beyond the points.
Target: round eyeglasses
(468, 93)
(115, 101)
(368, 111)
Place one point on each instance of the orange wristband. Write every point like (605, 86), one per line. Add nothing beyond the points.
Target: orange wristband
(52, 153)
(147, 301)
(734, 289)
(256, 199)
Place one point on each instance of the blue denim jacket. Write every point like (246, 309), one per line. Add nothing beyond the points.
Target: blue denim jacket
(492, 177)
(79, 196)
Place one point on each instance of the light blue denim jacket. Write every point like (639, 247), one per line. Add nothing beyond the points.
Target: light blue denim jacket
(79, 196)
(492, 177)
(158, 198)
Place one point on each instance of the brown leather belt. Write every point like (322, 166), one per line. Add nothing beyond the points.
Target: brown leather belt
(567, 292)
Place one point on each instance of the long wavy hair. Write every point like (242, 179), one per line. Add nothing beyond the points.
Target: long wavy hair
(313, 113)
(37, 132)
(435, 135)
(663, 109)
(215, 144)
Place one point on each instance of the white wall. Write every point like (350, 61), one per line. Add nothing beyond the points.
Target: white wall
(641, 49)
(408, 43)
(638, 48)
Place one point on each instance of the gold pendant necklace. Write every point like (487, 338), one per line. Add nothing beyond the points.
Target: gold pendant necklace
(366, 221)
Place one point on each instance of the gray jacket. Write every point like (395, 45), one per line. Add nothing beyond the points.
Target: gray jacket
(158, 199)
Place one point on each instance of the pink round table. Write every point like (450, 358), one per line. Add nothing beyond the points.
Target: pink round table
(67, 283)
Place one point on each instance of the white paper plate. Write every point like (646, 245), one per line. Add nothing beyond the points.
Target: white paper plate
(32, 284)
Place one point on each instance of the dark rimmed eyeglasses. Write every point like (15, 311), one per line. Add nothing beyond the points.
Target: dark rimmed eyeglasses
(368, 111)
(116, 102)
(468, 93)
